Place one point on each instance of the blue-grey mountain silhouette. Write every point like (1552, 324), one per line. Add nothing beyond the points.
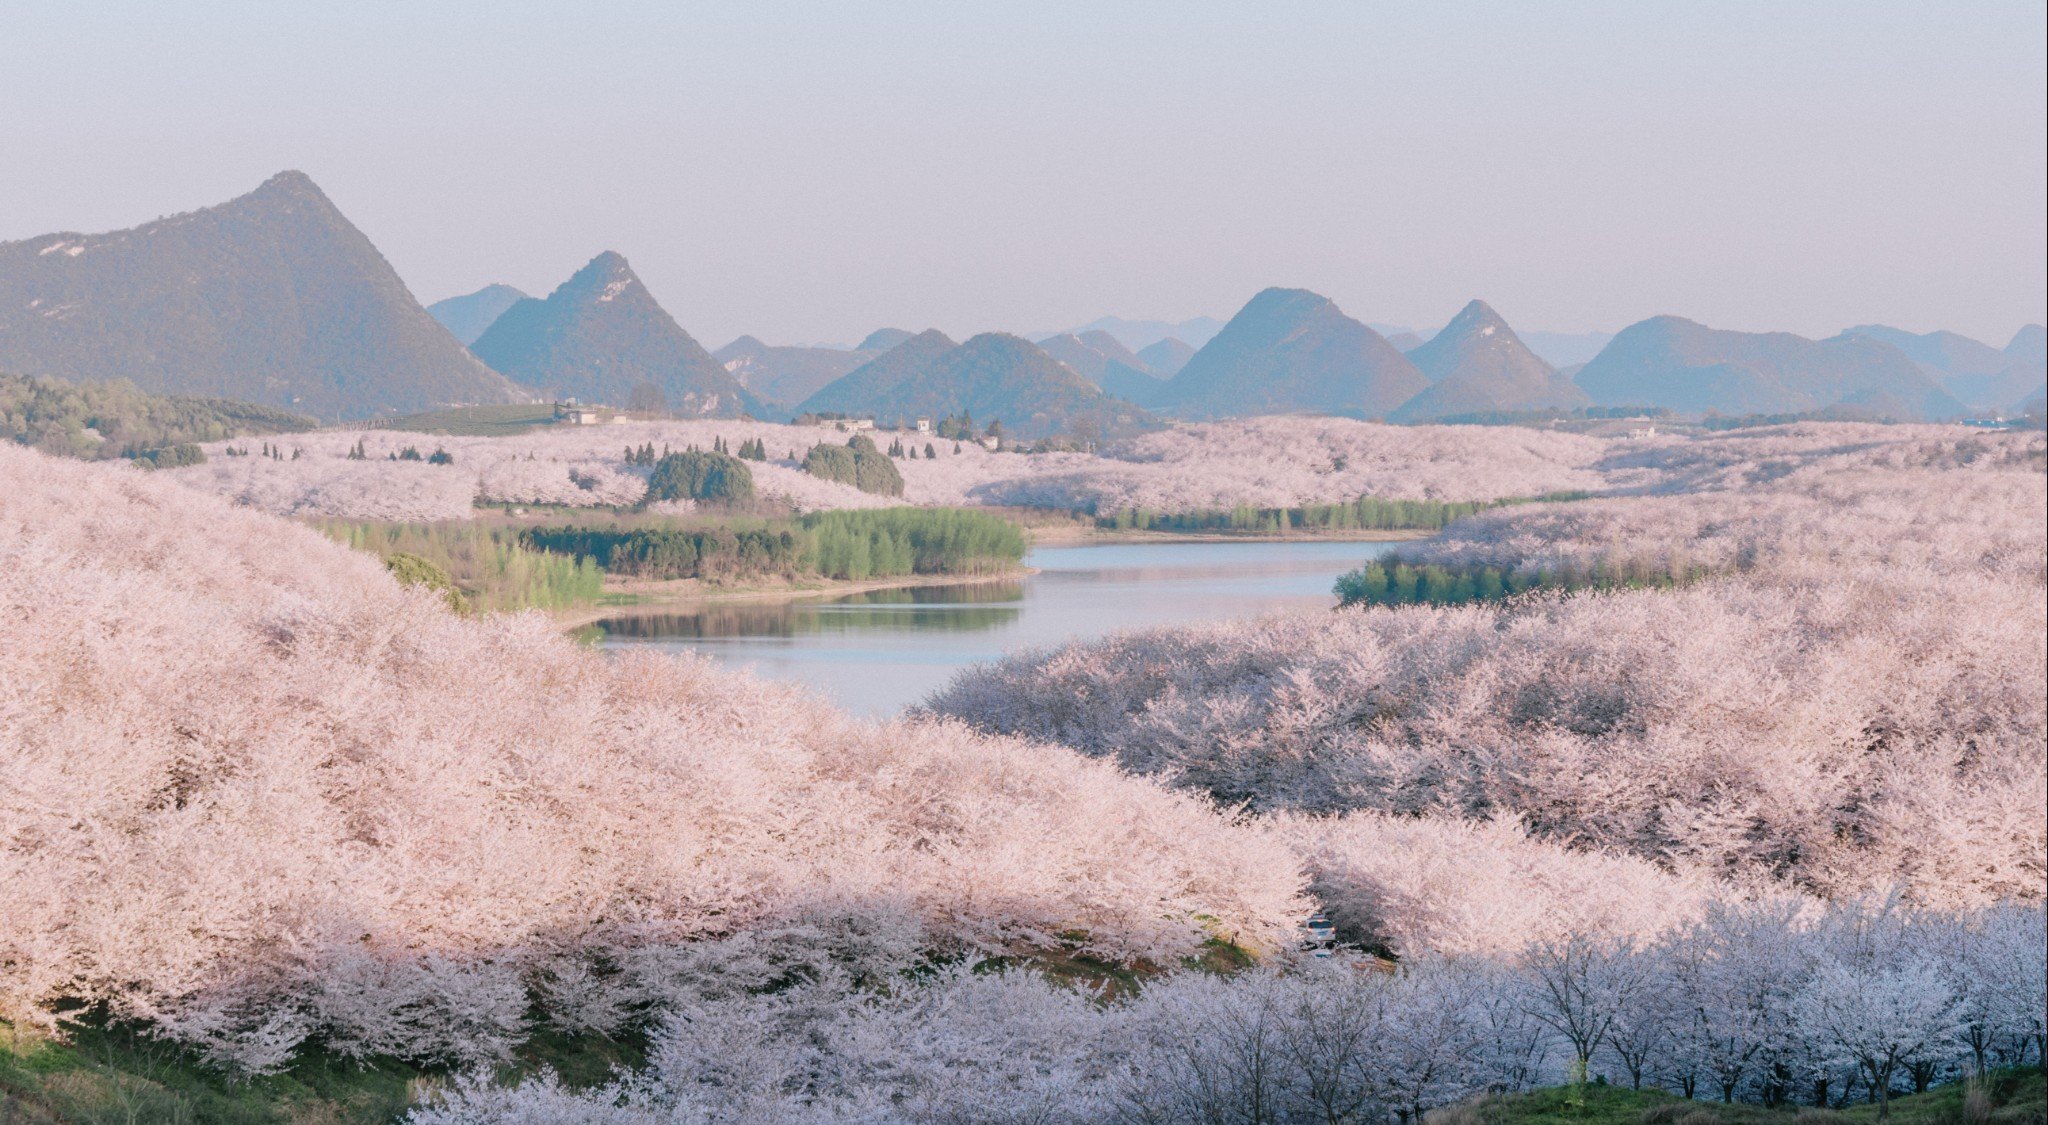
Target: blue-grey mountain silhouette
(467, 316)
(783, 375)
(1141, 334)
(882, 339)
(1983, 377)
(1292, 350)
(1672, 362)
(859, 390)
(273, 297)
(1104, 360)
(997, 376)
(602, 337)
(1167, 357)
(1478, 365)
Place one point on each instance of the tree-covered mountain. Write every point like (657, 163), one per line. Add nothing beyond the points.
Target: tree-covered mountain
(1672, 362)
(1983, 377)
(1292, 350)
(860, 389)
(467, 316)
(781, 375)
(273, 297)
(1478, 365)
(997, 376)
(601, 337)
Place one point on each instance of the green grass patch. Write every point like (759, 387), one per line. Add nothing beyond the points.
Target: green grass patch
(1366, 513)
(498, 420)
(115, 1074)
(2008, 1097)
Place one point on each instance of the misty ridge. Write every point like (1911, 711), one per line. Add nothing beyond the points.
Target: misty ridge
(323, 326)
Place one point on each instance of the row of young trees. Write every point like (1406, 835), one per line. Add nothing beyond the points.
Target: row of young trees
(1367, 513)
(1757, 1003)
(873, 542)
(857, 544)
(1391, 581)
(720, 553)
(478, 567)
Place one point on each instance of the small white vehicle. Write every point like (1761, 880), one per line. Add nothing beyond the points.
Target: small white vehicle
(1318, 935)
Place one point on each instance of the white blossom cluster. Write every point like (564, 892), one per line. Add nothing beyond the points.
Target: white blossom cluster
(1765, 1001)
(253, 791)
(1258, 461)
(1858, 698)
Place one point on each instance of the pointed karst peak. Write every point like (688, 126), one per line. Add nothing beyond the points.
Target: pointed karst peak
(1277, 300)
(290, 182)
(611, 262)
(603, 278)
(1476, 317)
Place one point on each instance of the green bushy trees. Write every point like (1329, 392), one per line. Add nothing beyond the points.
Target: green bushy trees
(713, 477)
(858, 463)
(108, 420)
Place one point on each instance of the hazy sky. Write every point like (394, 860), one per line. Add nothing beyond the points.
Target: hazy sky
(810, 171)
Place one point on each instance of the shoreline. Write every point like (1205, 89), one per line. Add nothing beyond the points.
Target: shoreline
(687, 593)
(680, 593)
(1062, 537)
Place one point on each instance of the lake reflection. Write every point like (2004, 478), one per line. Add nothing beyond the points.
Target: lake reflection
(878, 651)
(980, 605)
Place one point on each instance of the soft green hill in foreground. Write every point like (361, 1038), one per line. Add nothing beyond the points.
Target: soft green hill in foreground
(108, 1076)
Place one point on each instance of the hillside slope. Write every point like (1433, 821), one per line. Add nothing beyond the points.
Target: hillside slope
(999, 377)
(1477, 364)
(255, 792)
(1290, 350)
(466, 317)
(861, 389)
(600, 337)
(781, 376)
(273, 297)
(1672, 362)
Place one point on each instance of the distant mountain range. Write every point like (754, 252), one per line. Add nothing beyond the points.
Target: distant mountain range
(467, 316)
(993, 376)
(1104, 361)
(1137, 335)
(1292, 350)
(272, 298)
(1672, 362)
(1478, 365)
(783, 375)
(1558, 349)
(1167, 357)
(602, 337)
(861, 390)
(1985, 378)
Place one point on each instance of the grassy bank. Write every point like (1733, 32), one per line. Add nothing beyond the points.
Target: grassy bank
(103, 1075)
(106, 1075)
(502, 564)
(2009, 1097)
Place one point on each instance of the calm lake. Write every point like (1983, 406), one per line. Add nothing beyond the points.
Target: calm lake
(876, 652)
